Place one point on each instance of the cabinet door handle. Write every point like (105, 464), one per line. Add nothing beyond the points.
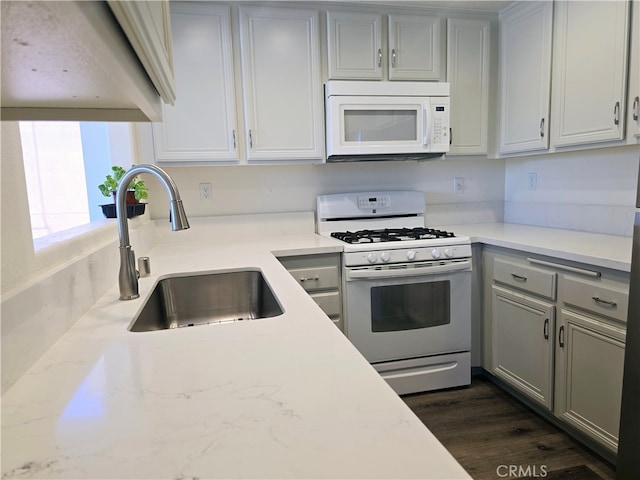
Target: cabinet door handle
(250, 139)
(233, 138)
(636, 104)
(450, 136)
(561, 336)
(616, 113)
(545, 330)
(519, 277)
(606, 303)
(315, 278)
(393, 58)
(379, 57)
(542, 128)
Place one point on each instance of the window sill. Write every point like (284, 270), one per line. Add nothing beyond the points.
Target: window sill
(60, 248)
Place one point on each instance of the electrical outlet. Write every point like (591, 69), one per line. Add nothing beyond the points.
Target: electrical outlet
(205, 192)
(533, 181)
(458, 185)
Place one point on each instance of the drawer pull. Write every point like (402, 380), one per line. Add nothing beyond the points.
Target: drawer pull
(519, 277)
(310, 279)
(561, 336)
(606, 303)
(582, 271)
(546, 329)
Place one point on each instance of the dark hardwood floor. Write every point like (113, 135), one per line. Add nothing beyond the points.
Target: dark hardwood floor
(494, 436)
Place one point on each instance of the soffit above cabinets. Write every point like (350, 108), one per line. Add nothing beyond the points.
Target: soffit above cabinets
(486, 6)
(70, 61)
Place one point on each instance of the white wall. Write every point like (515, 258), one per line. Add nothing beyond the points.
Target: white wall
(288, 188)
(590, 190)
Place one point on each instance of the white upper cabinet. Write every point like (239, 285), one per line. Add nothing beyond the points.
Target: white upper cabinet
(633, 102)
(282, 88)
(201, 126)
(468, 73)
(589, 72)
(357, 48)
(279, 88)
(354, 46)
(525, 76)
(414, 47)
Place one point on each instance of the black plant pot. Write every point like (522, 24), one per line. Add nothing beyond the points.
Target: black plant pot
(133, 210)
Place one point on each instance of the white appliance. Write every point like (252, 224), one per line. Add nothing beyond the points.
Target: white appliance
(406, 288)
(386, 120)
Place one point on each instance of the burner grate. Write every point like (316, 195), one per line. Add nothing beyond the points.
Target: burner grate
(391, 235)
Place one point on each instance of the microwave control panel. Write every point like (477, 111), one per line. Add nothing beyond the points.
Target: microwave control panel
(440, 122)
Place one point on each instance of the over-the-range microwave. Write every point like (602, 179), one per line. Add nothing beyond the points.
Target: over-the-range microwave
(386, 120)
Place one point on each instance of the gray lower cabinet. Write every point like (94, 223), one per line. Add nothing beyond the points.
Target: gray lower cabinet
(589, 371)
(590, 355)
(320, 276)
(525, 365)
(554, 331)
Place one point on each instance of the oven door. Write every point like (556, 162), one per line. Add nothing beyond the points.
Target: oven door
(409, 311)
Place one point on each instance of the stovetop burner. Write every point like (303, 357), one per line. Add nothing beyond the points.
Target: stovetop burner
(391, 235)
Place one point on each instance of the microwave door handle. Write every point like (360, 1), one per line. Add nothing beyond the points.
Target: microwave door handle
(426, 128)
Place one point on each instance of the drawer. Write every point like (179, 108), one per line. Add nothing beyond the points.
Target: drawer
(602, 297)
(525, 277)
(329, 302)
(319, 278)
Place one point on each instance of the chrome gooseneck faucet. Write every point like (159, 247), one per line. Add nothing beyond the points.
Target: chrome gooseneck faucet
(128, 277)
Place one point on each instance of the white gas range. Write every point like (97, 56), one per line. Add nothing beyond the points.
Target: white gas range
(406, 288)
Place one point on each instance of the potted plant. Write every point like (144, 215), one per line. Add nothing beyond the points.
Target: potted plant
(136, 191)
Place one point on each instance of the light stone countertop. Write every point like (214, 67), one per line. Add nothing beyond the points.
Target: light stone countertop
(284, 397)
(607, 251)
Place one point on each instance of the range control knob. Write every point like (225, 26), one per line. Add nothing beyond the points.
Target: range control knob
(385, 257)
(435, 253)
(372, 258)
(448, 252)
(411, 255)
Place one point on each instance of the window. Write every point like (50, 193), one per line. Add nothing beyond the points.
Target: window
(64, 163)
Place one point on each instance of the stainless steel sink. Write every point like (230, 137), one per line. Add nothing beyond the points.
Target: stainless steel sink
(187, 301)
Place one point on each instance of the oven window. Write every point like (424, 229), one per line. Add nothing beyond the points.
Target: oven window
(380, 125)
(412, 306)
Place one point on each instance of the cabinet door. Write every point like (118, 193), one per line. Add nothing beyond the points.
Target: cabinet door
(468, 74)
(633, 103)
(523, 344)
(589, 71)
(283, 106)
(201, 125)
(525, 77)
(354, 46)
(414, 47)
(590, 368)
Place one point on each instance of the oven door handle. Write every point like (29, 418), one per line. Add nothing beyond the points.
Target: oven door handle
(407, 272)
